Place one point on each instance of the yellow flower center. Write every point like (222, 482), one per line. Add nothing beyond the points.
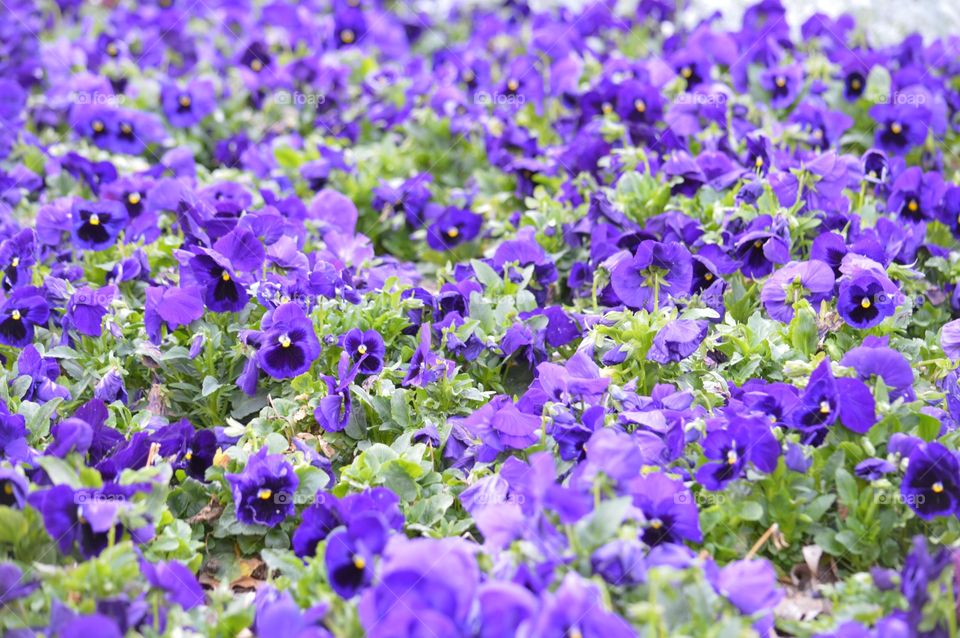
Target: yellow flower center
(225, 276)
(133, 198)
(607, 108)
(112, 50)
(8, 488)
(937, 487)
(98, 126)
(656, 523)
(284, 341)
(513, 85)
(686, 72)
(824, 407)
(347, 36)
(758, 244)
(732, 457)
(359, 563)
(184, 101)
(469, 75)
(453, 232)
(896, 128)
(15, 262)
(575, 633)
(15, 315)
(640, 106)
(264, 494)
(758, 162)
(256, 64)
(855, 84)
(362, 349)
(780, 81)
(94, 220)
(188, 455)
(708, 276)
(126, 129)
(913, 206)
(865, 303)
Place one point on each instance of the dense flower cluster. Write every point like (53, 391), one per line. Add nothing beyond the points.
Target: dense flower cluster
(338, 318)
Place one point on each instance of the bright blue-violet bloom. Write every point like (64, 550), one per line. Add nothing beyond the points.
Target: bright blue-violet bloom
(263, 492)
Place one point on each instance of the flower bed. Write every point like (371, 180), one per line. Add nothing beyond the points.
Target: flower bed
(336, 318)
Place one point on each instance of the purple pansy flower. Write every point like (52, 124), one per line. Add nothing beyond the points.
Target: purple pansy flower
(288, 344)
(263, 492)
(655, 274)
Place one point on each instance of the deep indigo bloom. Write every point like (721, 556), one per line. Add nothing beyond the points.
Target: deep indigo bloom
(874, 358)
(742, 441)
(499, 426)
(575, 609)
(409, 198)
(92, 625)
(175, 580)
(13, 491)
(811, 280)
(759, 250)
(188, 105)
(426, 587)
(620, 562)
(13, 583)
(866, 299)
(750, 585)
(221, 273)
(677, 340)
(759, 153)
(173, 306)
(876, 168)
(96, 225)
(504, 606)
(454, 226)
(43, 372)
(87, 308)
(425, 365)
(915, 195)
(682, 166)
(22, 311)
(657, 273)
(821, 405)
(350, 554)
(111, 388)
(289, 345)
(366, 349)
(316, 524)
(874, 469)
(900, 127)
(263, 492)
(13, 438)
(824, 126)
(119, 130)
(278, 615)
(783, 84)
(669, 509)
(70, 435)
(639, 103)
(86, 517)
(334, 410)
(931, 484)
(921, 568)
(950, 339)
(18, 254)
(198, 454)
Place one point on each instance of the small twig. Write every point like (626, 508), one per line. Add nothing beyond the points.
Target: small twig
(760, 541)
